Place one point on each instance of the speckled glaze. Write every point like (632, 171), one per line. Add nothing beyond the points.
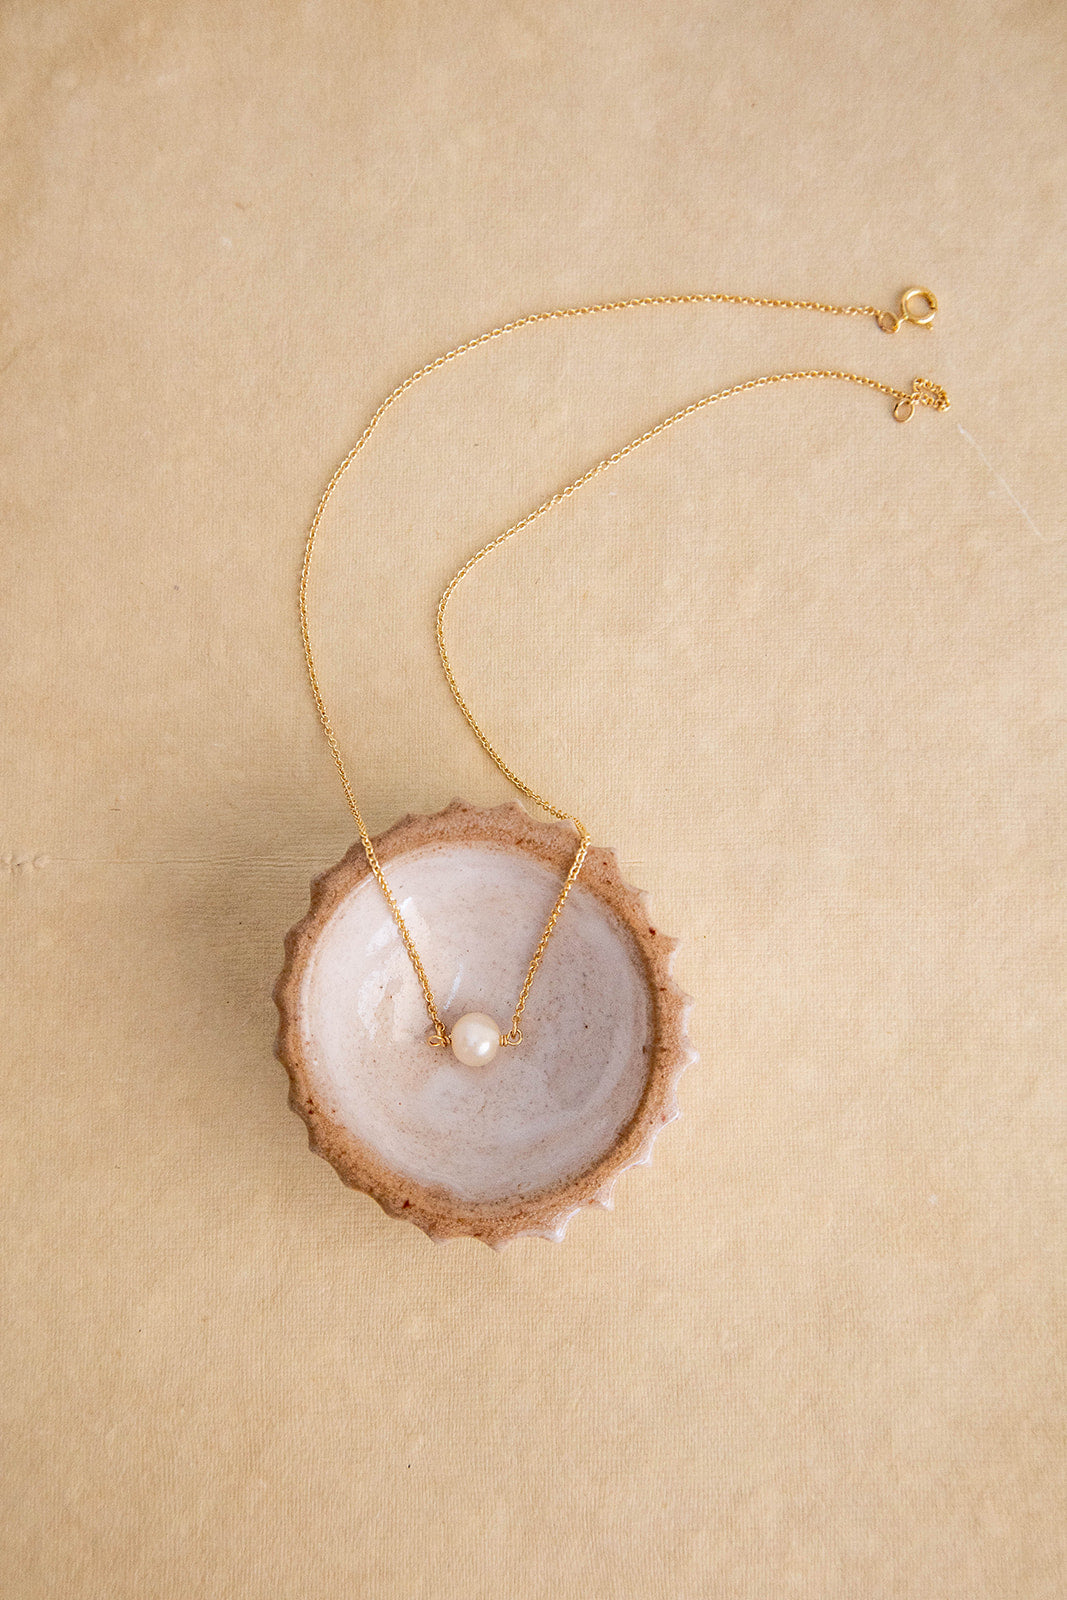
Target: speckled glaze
(517, 1146)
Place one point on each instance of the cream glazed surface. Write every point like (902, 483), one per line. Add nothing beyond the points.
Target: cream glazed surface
(516, 1144)
(541, 1111)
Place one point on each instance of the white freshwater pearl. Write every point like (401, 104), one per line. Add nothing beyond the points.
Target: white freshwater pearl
(475, 1039)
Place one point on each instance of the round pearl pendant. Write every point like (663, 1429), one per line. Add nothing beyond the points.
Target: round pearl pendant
(475, 1039)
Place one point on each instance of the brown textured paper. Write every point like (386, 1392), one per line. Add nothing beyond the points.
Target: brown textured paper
(796, 663)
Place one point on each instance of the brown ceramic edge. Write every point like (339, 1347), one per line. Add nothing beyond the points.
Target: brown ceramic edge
(437, 1213)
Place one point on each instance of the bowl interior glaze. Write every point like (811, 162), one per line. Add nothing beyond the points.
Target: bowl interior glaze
(545, 1110)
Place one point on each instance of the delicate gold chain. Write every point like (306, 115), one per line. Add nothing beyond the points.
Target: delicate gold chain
(923, 392)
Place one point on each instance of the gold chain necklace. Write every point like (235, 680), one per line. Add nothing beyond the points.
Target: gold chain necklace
(476, 1038)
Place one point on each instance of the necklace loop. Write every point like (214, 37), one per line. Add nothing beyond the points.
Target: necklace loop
(924, 392)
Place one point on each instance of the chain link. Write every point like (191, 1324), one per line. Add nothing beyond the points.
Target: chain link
(923, 392)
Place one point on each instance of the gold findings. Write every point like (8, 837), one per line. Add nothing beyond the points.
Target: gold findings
(889, 323)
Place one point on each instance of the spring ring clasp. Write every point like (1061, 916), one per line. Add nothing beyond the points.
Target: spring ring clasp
(890, 322)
